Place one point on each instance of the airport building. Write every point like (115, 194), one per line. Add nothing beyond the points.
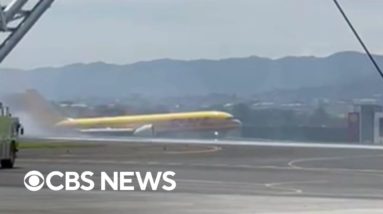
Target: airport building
(365, 124)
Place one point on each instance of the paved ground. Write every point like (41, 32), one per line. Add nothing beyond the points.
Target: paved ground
(210, 179)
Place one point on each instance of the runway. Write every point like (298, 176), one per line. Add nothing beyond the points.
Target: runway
(211, 178)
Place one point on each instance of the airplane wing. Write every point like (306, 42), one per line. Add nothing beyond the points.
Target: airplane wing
(142, 131)
(107, 131)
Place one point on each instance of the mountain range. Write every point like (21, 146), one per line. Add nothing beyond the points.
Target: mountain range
(344, 74)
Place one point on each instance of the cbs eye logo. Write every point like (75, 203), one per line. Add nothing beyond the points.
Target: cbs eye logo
(34, 181)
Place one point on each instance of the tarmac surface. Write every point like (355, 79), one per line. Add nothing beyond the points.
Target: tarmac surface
(210, 179)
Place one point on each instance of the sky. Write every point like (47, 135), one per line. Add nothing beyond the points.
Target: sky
(127, 31)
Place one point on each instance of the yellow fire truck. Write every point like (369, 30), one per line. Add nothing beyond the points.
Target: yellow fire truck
(10, 130)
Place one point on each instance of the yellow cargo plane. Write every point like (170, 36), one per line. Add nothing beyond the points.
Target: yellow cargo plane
(216, 122)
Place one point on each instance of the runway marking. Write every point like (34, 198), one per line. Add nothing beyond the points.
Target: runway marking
(207, 181)
(242, 186)
(293, 164)
(174, 164)
(209, 150)
(289, 190)
(280, 185)
(152, 163)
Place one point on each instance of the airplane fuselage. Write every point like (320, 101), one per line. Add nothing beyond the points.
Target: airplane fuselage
(205, 121)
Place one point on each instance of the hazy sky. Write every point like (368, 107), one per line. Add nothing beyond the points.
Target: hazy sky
(125, 31)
